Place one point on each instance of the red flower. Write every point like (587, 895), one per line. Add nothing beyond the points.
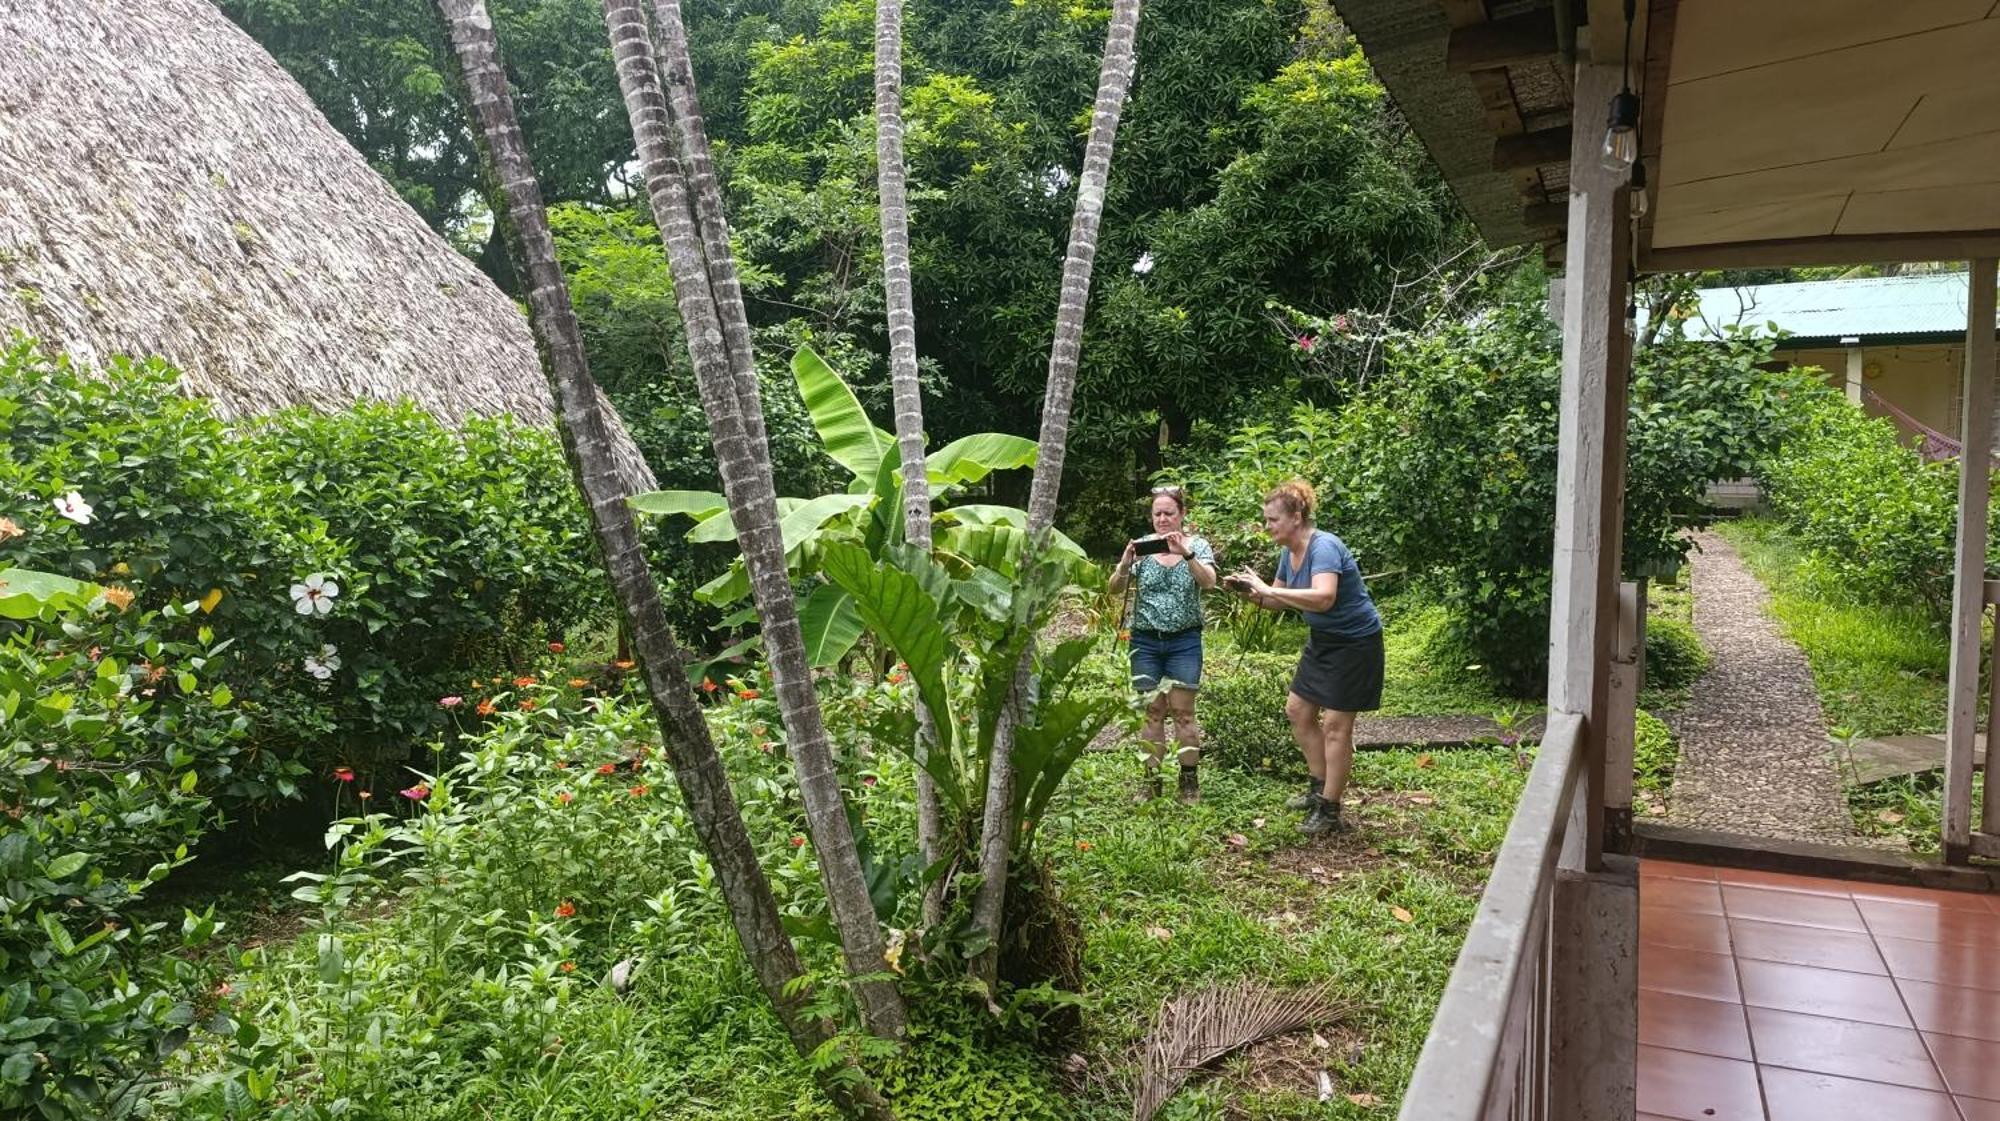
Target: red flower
(867, 780)
(895, 679)
(640, 791)
(568, 966)
(1083, 846)
(523, 682)
(565, 909)
(485, 708)
(527, 704)
(416, 793)
(556, 647)
(344, 774)
(748, 694)
(1307, 342)
(798, 841)
(562, 764)
(608, 769)
(708, 686)
(564, 797)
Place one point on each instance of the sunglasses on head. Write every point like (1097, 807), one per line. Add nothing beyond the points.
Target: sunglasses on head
(1171, 491)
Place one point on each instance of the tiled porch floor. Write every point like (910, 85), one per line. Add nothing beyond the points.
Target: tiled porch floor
(1798, 999)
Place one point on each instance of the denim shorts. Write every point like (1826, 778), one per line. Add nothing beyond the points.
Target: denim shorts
(1166, 656)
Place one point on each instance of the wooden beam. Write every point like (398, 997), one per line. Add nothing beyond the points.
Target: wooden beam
(1660, 18)
(1968, 606)
(1828, 249)
(1545, 215)
(1586, 544)
(1532, 149)
(1503, 42)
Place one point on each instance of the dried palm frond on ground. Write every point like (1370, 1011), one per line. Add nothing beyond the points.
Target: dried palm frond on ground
(1196, 1029)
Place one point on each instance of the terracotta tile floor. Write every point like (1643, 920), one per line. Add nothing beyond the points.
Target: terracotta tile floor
(1788, 998)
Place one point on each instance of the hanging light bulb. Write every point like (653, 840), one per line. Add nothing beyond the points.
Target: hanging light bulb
(1638, 189)
(1621, 134)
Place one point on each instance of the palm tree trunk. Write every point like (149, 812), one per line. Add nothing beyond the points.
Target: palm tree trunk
(587, 443)
(892, 187)
(1114, 81)
(743, 455)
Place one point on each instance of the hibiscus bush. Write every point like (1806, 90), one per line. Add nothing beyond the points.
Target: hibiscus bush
(365, 562)
(114, 739)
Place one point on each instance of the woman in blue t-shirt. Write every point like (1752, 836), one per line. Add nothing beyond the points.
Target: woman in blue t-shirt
(1340, 672)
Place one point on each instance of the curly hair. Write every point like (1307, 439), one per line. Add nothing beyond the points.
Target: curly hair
(1295, 496)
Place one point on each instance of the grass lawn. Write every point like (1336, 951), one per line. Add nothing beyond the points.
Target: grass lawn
(447, 1002)
(1880, 669)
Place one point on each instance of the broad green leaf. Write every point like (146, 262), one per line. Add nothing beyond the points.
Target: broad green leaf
(726, 588)
(699, 504)
(24, 592)
(1045, 751)
(885, 517)
(66, 865)
(832, 624)
(972, 458)
(698, 670)
(896, 608)
(850, 437)
(810, 516)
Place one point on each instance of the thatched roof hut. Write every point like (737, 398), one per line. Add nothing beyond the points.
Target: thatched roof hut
(166, 188)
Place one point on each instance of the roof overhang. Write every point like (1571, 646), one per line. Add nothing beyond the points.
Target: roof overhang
(1774, 132)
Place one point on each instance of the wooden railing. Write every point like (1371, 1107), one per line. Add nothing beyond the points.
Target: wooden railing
(1487, 1057)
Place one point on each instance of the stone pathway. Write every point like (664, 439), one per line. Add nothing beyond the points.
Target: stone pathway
(1754, 757)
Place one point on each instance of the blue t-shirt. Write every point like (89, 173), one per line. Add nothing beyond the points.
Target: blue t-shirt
(1353, 613)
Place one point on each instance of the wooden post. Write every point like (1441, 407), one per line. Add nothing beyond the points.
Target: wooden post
(1968, 605)
(1589, 461)
(1854, 374)
(1621, 718)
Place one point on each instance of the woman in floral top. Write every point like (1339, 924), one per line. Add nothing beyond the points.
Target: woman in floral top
(1166, 637)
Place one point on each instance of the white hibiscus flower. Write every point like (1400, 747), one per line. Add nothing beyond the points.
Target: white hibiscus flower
(323, 664)
(73, 507)
(315, 594)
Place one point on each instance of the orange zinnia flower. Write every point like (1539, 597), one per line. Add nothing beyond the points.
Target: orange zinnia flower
(748, 694)
(623, 665)
(798, 841)
(485, 708)
(565, 909)
(527, 704)
(523, 682)
(640, 790)
(555, 647)
(564, 797)
(608, 769)
(567, 967)
(578, 682)
(708, 686)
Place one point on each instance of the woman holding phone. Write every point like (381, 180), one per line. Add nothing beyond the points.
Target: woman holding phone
(1171, 569)
(1340, 671)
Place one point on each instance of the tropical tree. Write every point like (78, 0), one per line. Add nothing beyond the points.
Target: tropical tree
(582, 411)
(687, 208)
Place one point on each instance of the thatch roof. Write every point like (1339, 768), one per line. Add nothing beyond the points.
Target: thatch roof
(166, 188)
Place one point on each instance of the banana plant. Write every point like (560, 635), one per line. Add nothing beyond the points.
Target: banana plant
(868, 512)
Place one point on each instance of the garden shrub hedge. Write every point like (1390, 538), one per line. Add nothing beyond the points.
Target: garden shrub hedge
(1675, 657)
(446, 553)
(1242, 712)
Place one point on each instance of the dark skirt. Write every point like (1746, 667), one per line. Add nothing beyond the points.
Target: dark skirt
(1341, 673)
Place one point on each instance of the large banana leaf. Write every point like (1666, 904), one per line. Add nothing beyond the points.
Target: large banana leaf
(850, 437)
(972, 458)
(832, 624)
(1045, 751)
(905, 618)
(699, 504)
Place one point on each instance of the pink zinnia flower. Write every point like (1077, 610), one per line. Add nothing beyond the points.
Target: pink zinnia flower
(450, 702)
(416, 793)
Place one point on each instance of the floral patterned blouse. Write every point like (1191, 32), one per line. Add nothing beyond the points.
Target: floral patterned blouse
(1168, 599)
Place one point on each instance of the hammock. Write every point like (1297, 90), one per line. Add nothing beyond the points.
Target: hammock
(1933, 445)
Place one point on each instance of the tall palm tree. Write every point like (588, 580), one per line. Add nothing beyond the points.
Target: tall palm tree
(742, 451)
(581, 410)
(1114, 81)
(892, 188)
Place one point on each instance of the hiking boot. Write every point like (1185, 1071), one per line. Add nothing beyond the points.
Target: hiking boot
(1323, 818)
(1149, 788)
(1304, 800)
(1190, 788)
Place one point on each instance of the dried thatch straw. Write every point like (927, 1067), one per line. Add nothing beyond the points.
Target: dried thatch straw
(1196, 1029)
(166, 188)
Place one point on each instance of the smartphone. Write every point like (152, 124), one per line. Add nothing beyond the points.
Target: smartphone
(1147, 546)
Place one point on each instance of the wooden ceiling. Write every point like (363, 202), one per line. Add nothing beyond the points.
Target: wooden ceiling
(1775, 132)
(1857, 122)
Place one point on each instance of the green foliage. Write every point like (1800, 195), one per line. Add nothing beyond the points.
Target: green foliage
(1655, 755)
(1675, 657)
(1875, 520)
(449, 553)
(1242, 712)
(1444, 465)
(114, 739)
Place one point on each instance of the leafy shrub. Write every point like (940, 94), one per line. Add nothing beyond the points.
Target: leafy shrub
(1242, 712)
(113, 738)
(1876, 521)
(445, 552)
(1675, 657)
(1655, 754)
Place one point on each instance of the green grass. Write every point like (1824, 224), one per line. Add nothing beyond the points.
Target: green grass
(1429, 674)
(1881, 669)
